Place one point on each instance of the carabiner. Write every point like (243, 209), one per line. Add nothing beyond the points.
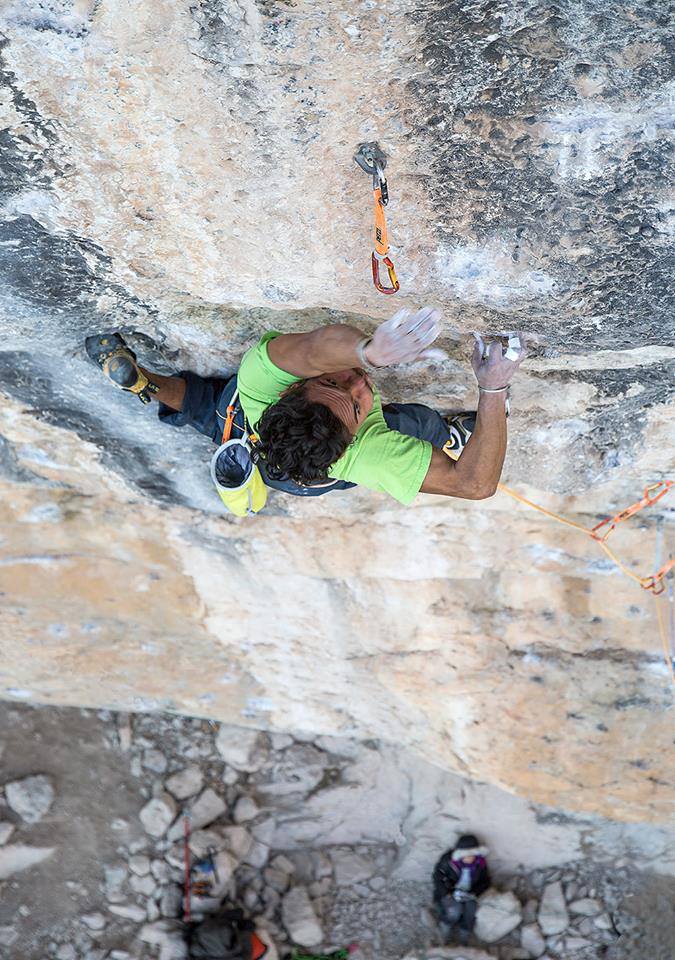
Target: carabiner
(395, 285)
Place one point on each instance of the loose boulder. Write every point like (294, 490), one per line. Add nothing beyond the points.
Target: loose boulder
(16, 857)
(205, 809)
(242, 750)
(532, 940)
(158, 814)
(498, 914)
(299, 918)
(31, 797)
(6, 831)
(351, 868)
(186, 783)
(553, 916)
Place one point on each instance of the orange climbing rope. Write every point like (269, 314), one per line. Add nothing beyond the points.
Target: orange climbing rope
(665, 641)
(654, 583)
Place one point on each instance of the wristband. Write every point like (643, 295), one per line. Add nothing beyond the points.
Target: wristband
(361, 348)
(498, 390)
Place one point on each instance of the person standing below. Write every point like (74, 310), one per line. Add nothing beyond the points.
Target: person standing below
(460, 877)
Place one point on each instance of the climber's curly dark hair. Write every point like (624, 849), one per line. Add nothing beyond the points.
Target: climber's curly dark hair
(300, 439)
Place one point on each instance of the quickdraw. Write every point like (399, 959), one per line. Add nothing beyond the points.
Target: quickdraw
(651, 495)
(373, 162)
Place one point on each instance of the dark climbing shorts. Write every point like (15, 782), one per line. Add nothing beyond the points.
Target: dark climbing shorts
(205, 409)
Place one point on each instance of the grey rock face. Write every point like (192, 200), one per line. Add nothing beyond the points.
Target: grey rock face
(297, 770)
(31, 797)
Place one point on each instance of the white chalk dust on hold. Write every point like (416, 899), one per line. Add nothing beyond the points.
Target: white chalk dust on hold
(488, 275)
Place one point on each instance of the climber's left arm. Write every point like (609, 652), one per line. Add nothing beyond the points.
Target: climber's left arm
(340, 347)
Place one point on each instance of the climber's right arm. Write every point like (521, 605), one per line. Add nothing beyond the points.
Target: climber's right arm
(476, 474)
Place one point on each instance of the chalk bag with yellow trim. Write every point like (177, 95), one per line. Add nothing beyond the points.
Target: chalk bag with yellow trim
(237, 478)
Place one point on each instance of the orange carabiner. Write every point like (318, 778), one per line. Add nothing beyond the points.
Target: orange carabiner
(229, 420)
(394, 284)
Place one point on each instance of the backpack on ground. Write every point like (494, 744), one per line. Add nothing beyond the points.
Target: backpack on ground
(227, 935)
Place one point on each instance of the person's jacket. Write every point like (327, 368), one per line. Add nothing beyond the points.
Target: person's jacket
(448, 871)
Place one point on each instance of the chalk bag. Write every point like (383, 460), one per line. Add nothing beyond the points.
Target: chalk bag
(237, 479)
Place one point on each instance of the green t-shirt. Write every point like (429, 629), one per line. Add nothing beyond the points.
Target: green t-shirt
(378, 458)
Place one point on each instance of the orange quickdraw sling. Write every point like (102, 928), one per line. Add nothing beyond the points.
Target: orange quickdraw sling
(372, 161)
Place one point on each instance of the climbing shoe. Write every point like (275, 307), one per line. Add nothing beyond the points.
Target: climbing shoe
(461, 427)
(118, 363)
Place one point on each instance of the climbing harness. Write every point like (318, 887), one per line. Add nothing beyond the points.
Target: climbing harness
(373, 162)
(654, 583)
(235, 475)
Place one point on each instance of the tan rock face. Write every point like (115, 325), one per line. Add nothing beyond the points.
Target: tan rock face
(185, 172)
(493, 642)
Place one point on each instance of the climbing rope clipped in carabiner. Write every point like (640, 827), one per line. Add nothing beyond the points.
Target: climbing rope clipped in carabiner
(373, 162)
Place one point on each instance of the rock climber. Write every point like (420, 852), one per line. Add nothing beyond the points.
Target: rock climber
(319, 417)
(460, 877)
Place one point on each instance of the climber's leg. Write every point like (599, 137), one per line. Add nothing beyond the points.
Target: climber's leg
(170, 390)
(467, 920)
(185, 399)
(449, 913)
(198, 402)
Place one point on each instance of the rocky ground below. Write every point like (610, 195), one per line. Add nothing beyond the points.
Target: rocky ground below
(92, 809)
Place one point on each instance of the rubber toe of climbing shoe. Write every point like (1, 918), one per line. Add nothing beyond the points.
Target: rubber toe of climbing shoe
(110, 352)
(101, 346)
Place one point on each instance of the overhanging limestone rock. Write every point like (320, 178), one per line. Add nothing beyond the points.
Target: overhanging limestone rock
(181, 174)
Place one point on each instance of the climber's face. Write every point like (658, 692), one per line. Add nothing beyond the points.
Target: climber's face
(468, 860)
(347, 393)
